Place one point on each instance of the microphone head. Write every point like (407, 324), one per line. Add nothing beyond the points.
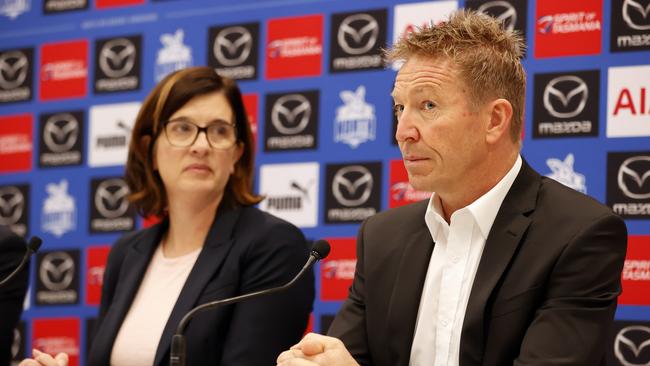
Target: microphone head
(320, 249)
(34, 244)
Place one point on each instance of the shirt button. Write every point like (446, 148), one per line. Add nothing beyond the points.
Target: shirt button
(444, 322)
(454, 259)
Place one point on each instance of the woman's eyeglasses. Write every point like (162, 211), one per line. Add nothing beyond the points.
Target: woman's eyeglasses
(181, 133)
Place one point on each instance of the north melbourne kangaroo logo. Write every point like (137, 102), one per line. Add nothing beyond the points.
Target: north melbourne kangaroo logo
(563, 172)
(355, 120)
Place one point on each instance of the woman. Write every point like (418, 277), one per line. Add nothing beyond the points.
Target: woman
(191, 162)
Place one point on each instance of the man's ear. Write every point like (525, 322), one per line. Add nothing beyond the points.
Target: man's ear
(500, 120)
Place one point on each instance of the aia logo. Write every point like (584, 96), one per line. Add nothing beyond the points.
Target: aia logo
(631, 102)
(628, 98)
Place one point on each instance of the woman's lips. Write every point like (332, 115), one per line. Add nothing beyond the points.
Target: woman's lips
(198, 167)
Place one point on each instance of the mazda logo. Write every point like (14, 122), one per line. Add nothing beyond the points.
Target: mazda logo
(575, 86)
(117, 57)
(61, 132)
(13, 69)
(110, 198)
(232, 46)
(57, 271)
(12, 205)
(354, 182)
(502, 11)
(637, 171)
(629, 343)
(294, 110)
(632, 7)
(356, 27)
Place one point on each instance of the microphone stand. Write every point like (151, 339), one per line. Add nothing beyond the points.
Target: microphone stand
(178, 348)
(34, 243)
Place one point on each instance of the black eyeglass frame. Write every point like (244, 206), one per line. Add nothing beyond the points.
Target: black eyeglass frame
(200, 129)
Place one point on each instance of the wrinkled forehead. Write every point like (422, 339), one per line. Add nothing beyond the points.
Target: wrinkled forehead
(421, 72)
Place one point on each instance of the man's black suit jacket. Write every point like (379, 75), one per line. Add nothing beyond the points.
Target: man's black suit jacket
(245, 250)
(12, 294)
(544, 293)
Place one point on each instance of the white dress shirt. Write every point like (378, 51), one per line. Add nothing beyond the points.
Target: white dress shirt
(452, 268)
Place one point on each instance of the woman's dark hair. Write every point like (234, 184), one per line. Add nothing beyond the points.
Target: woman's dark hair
(173, 92)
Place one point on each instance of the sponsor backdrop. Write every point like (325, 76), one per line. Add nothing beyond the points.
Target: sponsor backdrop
(73, 74)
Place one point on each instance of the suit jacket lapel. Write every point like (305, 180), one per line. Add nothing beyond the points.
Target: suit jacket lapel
(405, 298)
(132, 271)
(217, 244)
(505, 236)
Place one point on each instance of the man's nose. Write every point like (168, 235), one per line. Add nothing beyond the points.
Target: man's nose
(406, 128)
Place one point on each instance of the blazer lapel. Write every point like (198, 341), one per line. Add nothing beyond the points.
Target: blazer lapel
(509, 227)
(215, 249)
(405, 298)
(132, 271)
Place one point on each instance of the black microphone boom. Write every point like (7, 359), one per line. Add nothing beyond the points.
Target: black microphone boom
(34, 243)
(319, 250)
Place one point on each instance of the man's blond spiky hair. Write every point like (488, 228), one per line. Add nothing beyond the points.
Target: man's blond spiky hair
(487, 57)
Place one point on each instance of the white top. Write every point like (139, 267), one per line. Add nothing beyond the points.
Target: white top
(138, 338)
(452, 268)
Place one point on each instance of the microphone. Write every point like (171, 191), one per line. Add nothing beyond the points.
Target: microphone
(34, 243)
(319, 250)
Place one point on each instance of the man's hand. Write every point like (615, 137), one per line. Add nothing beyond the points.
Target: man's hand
(317, 350)
(43, 359)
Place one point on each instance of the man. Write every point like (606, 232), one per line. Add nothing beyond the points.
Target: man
(501, 266)
(12, 294)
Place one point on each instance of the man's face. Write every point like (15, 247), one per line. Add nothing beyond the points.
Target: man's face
(439, 133)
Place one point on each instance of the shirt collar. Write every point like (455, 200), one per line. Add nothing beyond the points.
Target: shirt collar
(486, 207)
(484, 210)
